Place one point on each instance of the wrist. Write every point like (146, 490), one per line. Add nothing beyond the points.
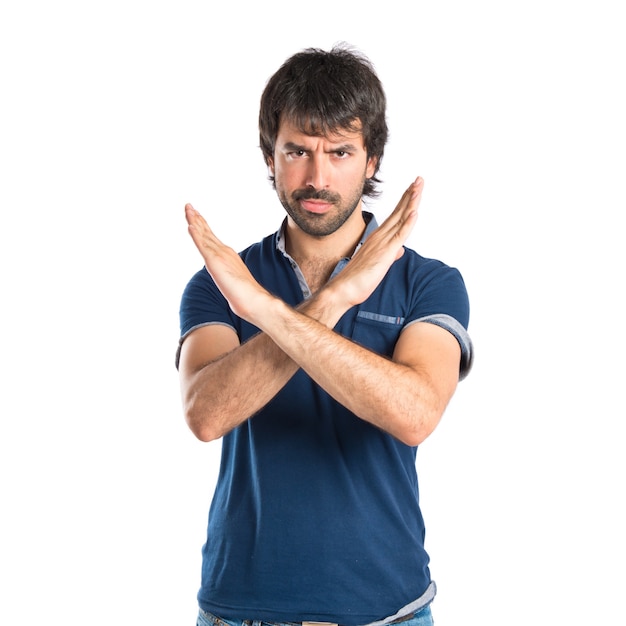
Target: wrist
(325, 306)
(268, 310)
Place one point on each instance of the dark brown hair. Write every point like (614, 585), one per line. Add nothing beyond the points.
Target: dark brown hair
(322, 92)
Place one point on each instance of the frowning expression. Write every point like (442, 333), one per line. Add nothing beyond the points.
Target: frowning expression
(319, 179)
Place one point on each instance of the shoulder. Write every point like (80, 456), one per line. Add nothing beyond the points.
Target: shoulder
(425, 268)
(441, 299)
(437, 287)
(262, 251)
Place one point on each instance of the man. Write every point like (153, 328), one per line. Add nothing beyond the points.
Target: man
(323, 355)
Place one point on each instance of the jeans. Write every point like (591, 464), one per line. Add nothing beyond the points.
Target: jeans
(423, 617)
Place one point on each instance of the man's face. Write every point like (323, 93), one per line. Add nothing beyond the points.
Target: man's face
(319, 180)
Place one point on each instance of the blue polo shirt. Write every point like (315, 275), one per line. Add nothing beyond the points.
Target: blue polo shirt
(316, 515)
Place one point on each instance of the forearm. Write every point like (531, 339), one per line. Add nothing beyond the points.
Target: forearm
(389, 395)
(223, 393)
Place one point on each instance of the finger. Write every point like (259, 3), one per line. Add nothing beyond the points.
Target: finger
(410, 196)
(193, 215)
(404, 200)
(414, 193)
(416, 188)
(196, 222)
(404, 210)
(190, 212)
(197, 227)
(405, 224)
(406, 215)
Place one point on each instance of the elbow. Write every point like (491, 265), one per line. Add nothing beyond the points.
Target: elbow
(202, 432)
(418, 427)
(413, 437)
(203, 428)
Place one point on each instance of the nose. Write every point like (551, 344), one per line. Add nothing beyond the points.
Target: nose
(318, 171)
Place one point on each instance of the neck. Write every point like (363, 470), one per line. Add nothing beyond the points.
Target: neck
(304, 248)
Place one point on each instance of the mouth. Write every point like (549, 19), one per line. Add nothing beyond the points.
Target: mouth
(316, 201)
(316, 206)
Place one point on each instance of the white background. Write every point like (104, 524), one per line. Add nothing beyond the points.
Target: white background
(115, 114)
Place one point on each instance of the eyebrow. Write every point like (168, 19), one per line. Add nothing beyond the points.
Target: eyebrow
(290, 146)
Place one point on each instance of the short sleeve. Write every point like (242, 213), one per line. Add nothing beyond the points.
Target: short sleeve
(442, 299)
(202, 304)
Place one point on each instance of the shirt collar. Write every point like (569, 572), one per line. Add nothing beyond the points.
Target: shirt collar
(371, 226)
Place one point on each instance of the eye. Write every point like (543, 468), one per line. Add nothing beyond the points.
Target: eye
(342, 154)
(296, 154)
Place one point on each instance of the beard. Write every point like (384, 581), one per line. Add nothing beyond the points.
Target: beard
(320, 225)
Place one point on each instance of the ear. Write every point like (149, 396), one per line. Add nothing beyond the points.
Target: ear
(372, 162)
(270, 165)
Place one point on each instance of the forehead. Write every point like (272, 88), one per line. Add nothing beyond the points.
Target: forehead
(288, 131)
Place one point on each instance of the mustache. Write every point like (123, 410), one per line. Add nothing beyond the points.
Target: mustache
(315, 194)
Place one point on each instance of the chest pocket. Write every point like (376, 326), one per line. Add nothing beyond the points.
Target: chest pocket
(377, 332)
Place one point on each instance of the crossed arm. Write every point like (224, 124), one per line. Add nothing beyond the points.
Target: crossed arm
(224, 383)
